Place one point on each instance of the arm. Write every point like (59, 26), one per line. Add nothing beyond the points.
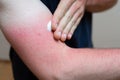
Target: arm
(49, 59)
(99, 5)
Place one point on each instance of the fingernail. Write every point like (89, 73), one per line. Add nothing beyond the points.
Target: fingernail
(64, 37)
(69, 36)
(59, 33)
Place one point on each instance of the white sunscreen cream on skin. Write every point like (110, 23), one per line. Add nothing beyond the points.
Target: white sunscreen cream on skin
(49, 26)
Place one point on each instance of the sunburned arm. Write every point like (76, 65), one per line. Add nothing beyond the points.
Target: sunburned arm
(25, 27)
(99, 5)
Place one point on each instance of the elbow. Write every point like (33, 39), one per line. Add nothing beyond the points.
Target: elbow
(51, 76)
(53, 69)
(108, 5)
(101, 6)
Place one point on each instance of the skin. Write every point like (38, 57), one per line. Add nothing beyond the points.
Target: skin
(25, 27)
(100, 5)
(66, 17)
(70, 12)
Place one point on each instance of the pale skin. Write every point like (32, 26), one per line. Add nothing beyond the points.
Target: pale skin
(24, 24)
(70, 12)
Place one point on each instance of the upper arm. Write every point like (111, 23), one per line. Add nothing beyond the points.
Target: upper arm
(23, 22)
(25, 27)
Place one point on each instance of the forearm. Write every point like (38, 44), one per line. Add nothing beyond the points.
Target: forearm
(95, 64)
(99, 5)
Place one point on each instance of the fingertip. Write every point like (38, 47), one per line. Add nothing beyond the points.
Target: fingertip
(57, 35)
(54, 27)
(63, 37)
(69, 36)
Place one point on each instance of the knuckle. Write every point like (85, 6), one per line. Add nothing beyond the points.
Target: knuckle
(68, 16)
(64, 31)
(73, 22)
(59, 27)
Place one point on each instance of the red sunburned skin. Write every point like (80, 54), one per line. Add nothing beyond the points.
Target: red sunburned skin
(26, 30)
(30, 31)
(27, 24)
(25, 27)
(28, 34)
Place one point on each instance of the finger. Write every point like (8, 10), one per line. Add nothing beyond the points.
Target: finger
(63, 37)
(60, 11)
(68, 16)
(72, 22)
(78, 16)
(67, 29)
(75, 6)
(76, 24)
(57, 35)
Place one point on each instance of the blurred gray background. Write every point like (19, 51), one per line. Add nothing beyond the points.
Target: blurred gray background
(106, 28)
(106, 31)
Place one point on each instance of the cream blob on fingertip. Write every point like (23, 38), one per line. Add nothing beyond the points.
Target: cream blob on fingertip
(49, 26)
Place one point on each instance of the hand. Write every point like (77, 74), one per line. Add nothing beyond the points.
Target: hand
(67, 17)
